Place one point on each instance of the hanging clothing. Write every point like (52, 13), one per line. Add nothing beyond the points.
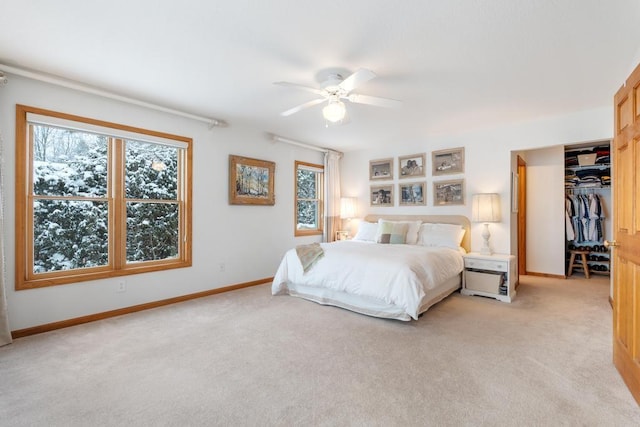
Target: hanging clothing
(568, 224)
(583, 218)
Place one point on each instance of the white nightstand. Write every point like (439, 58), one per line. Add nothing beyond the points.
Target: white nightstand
(492, 276)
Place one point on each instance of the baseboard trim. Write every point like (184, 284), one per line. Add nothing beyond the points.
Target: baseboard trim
(19, 333)
(552, 276)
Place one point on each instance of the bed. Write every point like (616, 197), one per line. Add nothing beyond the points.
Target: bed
(399, 280)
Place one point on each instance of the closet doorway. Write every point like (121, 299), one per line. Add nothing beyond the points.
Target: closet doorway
(539, 231)
(588, 205)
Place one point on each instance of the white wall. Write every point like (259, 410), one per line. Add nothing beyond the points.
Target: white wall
(634, 63)
(545, 211)
(488, 165)
(250, 240)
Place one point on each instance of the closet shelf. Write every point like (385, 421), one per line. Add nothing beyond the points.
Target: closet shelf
(587, 187)
(600, 166)
(599, 262)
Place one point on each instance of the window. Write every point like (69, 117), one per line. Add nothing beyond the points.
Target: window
(309, 189)
(97, 199)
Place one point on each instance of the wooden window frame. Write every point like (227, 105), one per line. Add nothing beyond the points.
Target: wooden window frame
(320, 199)
(116, 200)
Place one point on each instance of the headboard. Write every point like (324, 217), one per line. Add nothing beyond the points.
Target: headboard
(444, 219)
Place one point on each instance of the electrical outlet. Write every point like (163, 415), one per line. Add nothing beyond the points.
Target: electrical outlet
(222, 267)
(122, 286)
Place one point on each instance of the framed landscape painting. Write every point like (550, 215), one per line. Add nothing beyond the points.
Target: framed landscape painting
(251, 181)
(448, 192)
(448, 161)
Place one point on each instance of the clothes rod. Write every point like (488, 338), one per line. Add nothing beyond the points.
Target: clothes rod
(95, 91)
(588, 189)
(278, 138)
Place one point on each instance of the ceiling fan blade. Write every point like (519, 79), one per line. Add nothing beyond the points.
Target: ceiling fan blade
(374, 100)
(302, 107)
(307, 88)
(356, 79)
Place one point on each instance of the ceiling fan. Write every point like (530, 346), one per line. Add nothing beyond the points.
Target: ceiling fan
(336, 89)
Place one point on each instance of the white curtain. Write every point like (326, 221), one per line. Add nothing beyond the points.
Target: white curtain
(331, 194)
(5, 332)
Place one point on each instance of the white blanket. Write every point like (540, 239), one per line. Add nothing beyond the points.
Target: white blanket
(395, 274)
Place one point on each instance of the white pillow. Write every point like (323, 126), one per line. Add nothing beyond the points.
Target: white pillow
(366, 231)
(447, 235)
(412, 231)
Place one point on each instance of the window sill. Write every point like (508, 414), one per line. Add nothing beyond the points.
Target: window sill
(61, 279)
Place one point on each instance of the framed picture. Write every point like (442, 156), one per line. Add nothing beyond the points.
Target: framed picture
(448, 161)
(412, 194)
(448, 192)
(251, 181)
(381, 195)
(342, 235)
(412, 166)
(514, 192)
(381, 169)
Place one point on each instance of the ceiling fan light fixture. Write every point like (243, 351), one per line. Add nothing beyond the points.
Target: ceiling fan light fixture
(334, 111)
(335, 89)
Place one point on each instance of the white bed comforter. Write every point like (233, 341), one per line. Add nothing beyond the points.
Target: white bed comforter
(395, 274)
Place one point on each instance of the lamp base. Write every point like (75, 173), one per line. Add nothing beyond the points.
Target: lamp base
(486, 250)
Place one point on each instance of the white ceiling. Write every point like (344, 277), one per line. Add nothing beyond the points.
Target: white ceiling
(458, 65)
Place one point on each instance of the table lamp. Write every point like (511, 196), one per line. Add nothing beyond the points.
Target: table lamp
(348, 209)
(485, 209)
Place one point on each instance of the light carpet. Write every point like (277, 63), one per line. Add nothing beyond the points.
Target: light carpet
(248, 358)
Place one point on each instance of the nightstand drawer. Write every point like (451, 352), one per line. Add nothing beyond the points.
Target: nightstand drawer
(485, 264)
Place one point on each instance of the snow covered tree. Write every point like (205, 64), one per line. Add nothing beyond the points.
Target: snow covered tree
(308, 199)
(71, 207)
(70, 230)
(153, 219)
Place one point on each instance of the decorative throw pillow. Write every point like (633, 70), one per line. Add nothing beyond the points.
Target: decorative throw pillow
(446, 235)
(366, 231)
(390, 232)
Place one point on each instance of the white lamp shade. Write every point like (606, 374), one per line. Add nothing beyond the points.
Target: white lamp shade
(348, 207)
(334, 111)
(485, 207)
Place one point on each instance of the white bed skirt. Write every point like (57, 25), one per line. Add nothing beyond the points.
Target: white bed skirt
(371, 306)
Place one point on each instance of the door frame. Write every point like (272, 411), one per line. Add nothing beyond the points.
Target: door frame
(522, 216)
